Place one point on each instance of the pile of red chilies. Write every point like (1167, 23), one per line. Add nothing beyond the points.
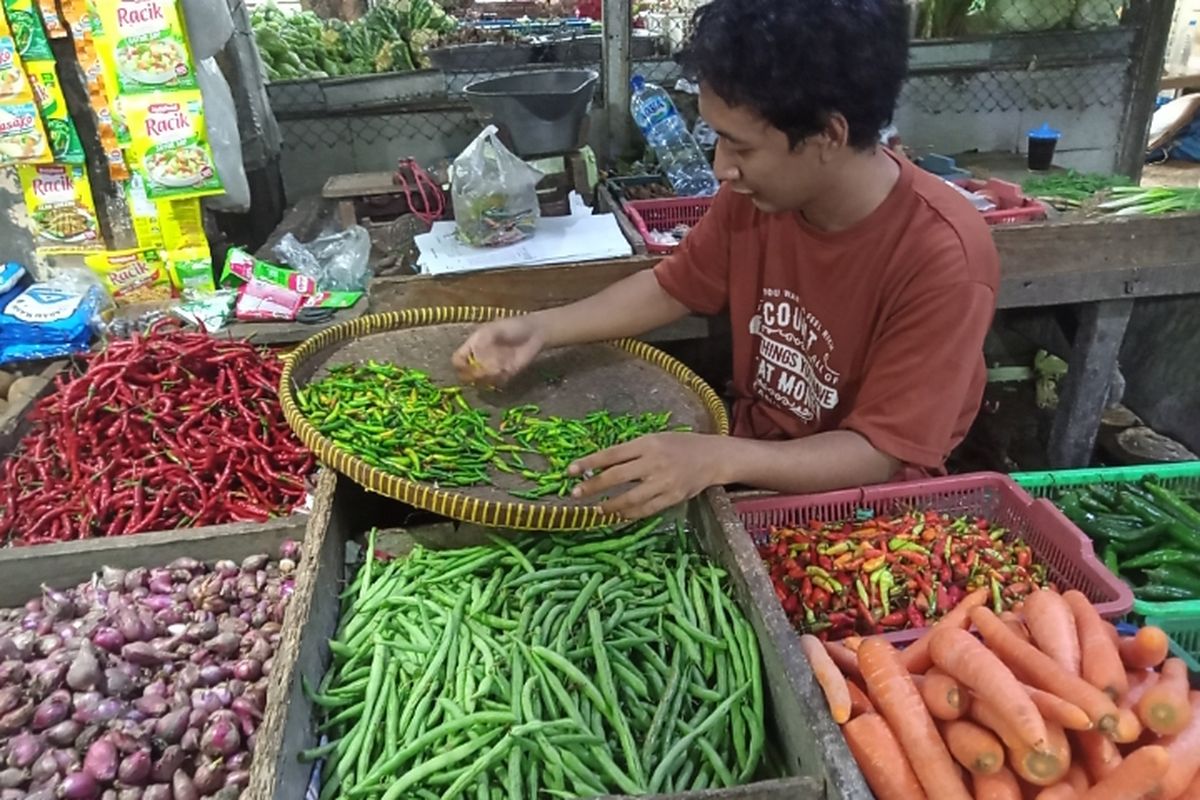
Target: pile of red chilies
(167, 430)
(884, 574)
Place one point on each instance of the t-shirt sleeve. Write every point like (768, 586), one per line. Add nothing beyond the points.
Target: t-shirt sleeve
(697, 273)
(920, 371)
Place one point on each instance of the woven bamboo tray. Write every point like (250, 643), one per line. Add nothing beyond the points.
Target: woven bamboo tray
(625, 376)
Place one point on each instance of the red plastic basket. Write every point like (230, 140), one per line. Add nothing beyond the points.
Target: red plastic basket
(1011, 203)
(1067, 553)
(663, 215)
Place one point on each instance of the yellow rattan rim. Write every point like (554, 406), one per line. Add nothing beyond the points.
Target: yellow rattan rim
(492, 513)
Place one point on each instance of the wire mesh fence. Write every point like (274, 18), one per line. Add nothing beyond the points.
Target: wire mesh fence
(1001, 59)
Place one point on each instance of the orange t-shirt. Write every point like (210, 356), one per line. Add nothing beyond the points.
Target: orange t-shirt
(877, 329)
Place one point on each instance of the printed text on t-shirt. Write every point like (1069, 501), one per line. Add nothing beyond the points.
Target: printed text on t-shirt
(792, 368)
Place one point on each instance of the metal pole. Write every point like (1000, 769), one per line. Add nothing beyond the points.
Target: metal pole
(1153, 18)
(617, 67)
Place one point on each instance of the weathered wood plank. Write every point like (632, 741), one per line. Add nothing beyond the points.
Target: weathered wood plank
(1085, 389)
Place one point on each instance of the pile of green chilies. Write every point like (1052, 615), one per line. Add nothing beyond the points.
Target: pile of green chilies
(604, 663)
(400, 421)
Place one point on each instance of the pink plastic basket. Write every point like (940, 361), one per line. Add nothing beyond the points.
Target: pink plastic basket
(1067, 553)
(1011, 203)
(663, 215)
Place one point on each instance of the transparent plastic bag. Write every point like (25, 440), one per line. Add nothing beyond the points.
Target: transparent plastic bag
(209, 26)
(338, 262)
(494, 193)
(221, 124)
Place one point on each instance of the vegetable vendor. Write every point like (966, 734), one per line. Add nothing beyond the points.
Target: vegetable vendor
(859, 288)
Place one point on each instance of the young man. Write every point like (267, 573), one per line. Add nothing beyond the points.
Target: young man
(859, 288)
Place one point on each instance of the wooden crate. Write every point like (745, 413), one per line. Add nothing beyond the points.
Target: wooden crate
(21, 566)
(815, 753)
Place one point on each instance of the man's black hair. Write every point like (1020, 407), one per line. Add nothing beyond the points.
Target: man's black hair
(796, 62)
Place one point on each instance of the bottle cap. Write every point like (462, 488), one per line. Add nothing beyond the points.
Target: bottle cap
(1045, 132)
(637, 82)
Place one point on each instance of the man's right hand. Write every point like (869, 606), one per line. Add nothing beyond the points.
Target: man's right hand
(496, 352)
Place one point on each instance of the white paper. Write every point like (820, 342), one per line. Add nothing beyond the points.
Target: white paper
(558, 240)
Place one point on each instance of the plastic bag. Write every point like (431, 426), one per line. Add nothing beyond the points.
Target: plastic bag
(338, 262)
(50, 319)
(209, 26)
(220, 118)
(494, 193)
(1093, 14)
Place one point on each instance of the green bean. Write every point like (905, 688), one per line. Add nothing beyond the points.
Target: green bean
(438, 763)
(668, 763)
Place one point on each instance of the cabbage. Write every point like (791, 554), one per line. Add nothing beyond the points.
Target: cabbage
(1028, 16)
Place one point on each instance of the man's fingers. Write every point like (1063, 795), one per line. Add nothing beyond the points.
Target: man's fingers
(613, 476)
(605, 458)
(639, 502)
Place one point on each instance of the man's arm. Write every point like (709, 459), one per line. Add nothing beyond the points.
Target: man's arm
(668, 468)
(819, 463)
(630, 307)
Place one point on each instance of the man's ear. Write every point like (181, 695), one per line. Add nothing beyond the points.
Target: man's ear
(834, 137)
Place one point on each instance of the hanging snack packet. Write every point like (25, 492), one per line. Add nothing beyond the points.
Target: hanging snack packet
(61, 210)
(64, 139)
(27, 32)
(82, 20)
(55, 27)
(132, 276)
(191, 270)
(170, 146)
(148, 43)
(13, 83)
(22, 137)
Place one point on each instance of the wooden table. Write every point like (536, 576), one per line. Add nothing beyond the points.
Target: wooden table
(1101, 266)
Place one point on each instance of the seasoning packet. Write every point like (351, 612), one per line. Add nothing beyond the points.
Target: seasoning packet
(143, 212)
(258, 301)
(332, 299)
(148, 43)
(182, 223)
(170, 146)
(81, 19)
(64, 139)
(13, 83)
(241, 267)
(22, 137)
(26, 25)
(60, 206)
(132, 276)
(191, 270)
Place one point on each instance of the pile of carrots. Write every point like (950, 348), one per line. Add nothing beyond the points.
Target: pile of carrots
(1048, 703)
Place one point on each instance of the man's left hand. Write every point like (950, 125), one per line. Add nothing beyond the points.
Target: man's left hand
(665, 468)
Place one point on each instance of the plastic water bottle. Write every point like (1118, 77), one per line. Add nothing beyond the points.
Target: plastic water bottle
(681, 158)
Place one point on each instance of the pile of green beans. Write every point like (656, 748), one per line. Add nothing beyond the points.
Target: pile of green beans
(611, 662)
(400, 421)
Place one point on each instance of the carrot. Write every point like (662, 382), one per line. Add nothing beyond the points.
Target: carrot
(968, 661)
(1015, 624)
(1139, 683)
(829, 676)
(852, 643)
(859, 704)
(1059, 791)
(1101, 663)
(1098, 753)
(1137, 778)
(1146, 649)
(1194, 789)
(1164, 708)
(1184, 749)
(974, 747)
(1054, 709)
(1000, 785)
(1129, 727)
(1040, 670)
(1052, 628)
(846, 660)
(894, 694)
(916, 658)
(944, 697)
(1041, 767)
(881, 759)
(1078, 778)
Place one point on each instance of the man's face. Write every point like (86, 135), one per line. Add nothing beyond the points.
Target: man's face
(755, 159)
